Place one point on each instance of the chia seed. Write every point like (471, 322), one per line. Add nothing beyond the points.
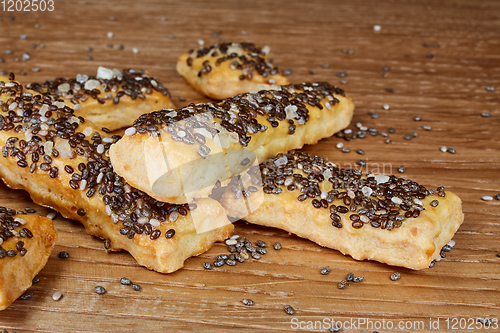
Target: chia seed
(401, 169)
(99, 290)
(349, 277)
(342, 284)
(255, 255)
(358, 279)
(63, 255)
(485, 114)
(207, 265)
(248, 302)
(26, 296)
(261, 250)
(277, 245)
(325, 270)
(289, 310)
(35, 280)
(136, 287)
(451, 150)
(125, 281)
(395, 276)
(260, 243)
(218, 263)
(434, 203)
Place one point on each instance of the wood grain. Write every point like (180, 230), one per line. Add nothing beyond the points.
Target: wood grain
(446, 89)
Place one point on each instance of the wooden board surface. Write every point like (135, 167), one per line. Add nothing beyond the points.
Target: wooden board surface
(445, 84)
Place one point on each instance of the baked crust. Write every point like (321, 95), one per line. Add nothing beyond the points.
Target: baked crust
(412, 244)
(74, 176)
(17, 273)
(112, 102)
(161, 163)
(214, 72)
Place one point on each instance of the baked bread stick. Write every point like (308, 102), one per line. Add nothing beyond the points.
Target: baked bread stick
(376, 217)
(62, 162)
(26, 242)
(111, 99)
(224, 70)
(176, 155)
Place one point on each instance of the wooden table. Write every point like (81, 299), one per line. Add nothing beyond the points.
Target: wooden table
(441, 57)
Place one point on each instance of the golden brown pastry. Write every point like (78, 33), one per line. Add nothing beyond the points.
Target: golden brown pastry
(178, 155)
(376, 217)
(62, 161)
(224, 70)
(110, 99)
(26, 242)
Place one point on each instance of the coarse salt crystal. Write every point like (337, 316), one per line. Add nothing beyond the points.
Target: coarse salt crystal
(386, 107)
(339, 145)
(63, 87)
(87, 131)
(381, 179)
(104, 73)
(91, 84)
(281, 161)
(377, 27)
(367, 191)
(291, 111)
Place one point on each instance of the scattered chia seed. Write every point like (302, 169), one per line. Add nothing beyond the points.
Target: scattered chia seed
(335, 329)
(325, 65)
(207, 265)
(325, 270)
(388, 140)
(498, 254)
(342, 284)
(231, 262)
(389, 90)
(260, 243)
(218, 263)
(277, 245)
(255, 255)
(125, 281)
(426, 127)
(63, 255)
(401, 169)
(90, 58)
(289, 310)
(432, 263)
(261, 250)
(99, 290)
(430, 55)
(361, 163)
(26, 296)
(182, 99)
(222, 257)
(349, 277)
(288, 71)
(485, 114)
(360, 151)
(386, 68)
(373, 115)
(247, 302)
(136, 287)
(35, 280)
(451, 150)
(391, 130)
(341, 74)
(345, 150)
(358, 279)
(497, 196)
(490, 88)
(395, 276)
(417, 118)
